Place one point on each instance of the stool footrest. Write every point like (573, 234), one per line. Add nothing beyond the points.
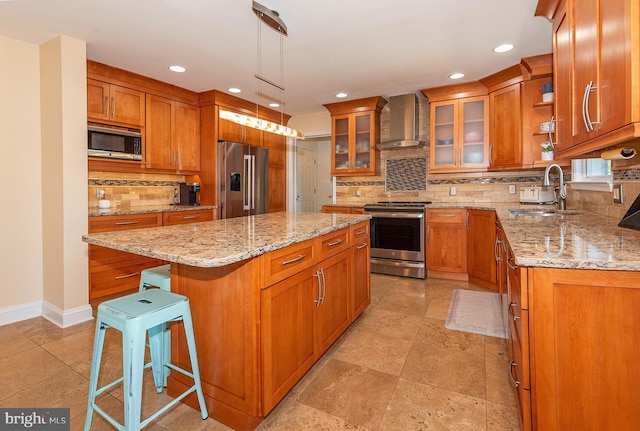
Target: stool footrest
(112, 421)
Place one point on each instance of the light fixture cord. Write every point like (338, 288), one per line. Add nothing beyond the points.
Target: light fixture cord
(281, 78)
(259, 63)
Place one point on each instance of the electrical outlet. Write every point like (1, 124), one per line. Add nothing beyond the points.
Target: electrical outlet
(100, 193)
(358, 192)
(617, 194)
(453, 191)
(512, 189)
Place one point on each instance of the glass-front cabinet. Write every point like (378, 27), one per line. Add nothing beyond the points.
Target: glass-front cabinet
(459, 135)
(354, 134)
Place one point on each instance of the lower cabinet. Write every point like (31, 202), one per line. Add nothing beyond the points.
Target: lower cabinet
(447, 241)
(481, 237)
(574, 344)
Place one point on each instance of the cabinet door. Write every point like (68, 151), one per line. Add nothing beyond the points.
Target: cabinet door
(481, 260)
(234, 132)
(364, 152)
(333, 315)
(127, 106)
(186, 137)
(505, 130)
(341, 162)
(585, 349)
(361, 281)
(183, 217)
(97, 100)
(474, 132)
(444, 135)
(158, 133)
(277, 145)
(563, 80)
(287, 327)
(447, 247)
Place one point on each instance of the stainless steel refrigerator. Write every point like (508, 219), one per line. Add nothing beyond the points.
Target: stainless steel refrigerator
(243, 175)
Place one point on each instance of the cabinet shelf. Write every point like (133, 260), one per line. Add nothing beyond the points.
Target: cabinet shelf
(541, 104)
(543, 133)
(479, 120)
(450, 123)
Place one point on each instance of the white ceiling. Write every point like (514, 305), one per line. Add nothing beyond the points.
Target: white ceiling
(363, 47)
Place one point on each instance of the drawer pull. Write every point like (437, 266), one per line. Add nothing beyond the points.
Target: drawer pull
(336, 242)
(361, 246)
(190, 217)
(124, 223)
(446, 215)
(360, 232)
(127, 276)
(511, 305)
(295, 259)
(509, 260)
(513, 379)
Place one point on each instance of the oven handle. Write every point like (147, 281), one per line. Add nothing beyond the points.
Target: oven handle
(395, 215)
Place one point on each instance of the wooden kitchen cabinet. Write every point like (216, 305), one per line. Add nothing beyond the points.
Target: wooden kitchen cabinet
(597, 70)
(481, 240)
(361, 282)
(172, 135)
(355, 131)
(447, 243)
(112, 271)
(505, 128)
(234, 132)
(459, 135)
(277, 145)
(113, 104)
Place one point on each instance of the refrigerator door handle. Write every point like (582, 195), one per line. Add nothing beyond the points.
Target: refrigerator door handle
(246, 203)
(253, 183)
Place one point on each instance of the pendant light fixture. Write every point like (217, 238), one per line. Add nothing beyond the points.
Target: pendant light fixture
(272, 19)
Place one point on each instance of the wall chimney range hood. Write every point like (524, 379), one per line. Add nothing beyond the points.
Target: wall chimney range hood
(403, 123)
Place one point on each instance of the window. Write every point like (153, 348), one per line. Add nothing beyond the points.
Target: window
(591, 174)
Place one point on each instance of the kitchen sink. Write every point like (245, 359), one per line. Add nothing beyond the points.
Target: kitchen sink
(544, 212)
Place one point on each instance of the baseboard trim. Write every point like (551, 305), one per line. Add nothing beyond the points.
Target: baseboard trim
(17, 313)
(66, 318)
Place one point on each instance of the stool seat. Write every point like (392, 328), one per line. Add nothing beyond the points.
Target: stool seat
(136, 315)
(159, 276)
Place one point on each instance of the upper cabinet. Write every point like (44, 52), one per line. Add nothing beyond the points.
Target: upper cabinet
(113, 104)
(459, 128)
(172, 135)
(355, 131)
(597, 72)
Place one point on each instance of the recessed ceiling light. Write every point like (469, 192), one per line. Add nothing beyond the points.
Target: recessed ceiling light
(503, 48)
(234, 90)
(176, 68)
(274, 105)
(457, 75)
(341, 95)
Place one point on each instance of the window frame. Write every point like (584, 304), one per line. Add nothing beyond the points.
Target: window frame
(581, 180)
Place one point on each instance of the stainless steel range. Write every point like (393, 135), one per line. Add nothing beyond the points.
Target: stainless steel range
(398, 238)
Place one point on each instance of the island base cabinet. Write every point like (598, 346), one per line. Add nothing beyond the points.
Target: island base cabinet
(225, 309)
(585, 345)
(361, 291)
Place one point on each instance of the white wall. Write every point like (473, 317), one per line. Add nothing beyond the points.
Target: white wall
(44, 175)
(316, 124)
(20, 205)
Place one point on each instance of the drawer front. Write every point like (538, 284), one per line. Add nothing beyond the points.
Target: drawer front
(359, 232)
(283, 263)
(457, 216)
(108, 256)
(124, 222)
(182, 217)
(334, 243)
(118, 277)
(523, 399)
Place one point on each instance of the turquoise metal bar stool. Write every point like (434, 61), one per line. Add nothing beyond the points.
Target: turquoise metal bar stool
(135, 315)
(160, 276)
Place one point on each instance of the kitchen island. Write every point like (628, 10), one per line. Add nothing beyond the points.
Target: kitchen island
(269, 294)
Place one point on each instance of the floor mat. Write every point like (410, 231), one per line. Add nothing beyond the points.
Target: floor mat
(476, 312)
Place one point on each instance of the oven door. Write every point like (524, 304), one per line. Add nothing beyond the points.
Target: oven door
(398, 235)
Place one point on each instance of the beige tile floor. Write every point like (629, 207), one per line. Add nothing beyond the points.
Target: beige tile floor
(396, 368)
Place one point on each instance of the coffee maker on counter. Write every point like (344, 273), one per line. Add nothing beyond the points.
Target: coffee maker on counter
(189, 194)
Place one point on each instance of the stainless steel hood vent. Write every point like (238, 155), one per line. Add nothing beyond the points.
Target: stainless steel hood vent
(403, 123)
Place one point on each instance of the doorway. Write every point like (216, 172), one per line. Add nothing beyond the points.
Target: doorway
(314, 183)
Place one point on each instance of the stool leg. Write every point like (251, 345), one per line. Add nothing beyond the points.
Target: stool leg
(98, 343)
(133, 344)
(157, 348)
(191, 344)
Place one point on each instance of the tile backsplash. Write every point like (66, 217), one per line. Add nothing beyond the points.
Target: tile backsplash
(133, 190)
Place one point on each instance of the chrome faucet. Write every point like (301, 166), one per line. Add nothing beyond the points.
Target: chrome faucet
(562, 203)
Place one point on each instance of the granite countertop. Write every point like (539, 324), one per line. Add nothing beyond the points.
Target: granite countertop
(95, 211)
(221, 242)
(579, 241)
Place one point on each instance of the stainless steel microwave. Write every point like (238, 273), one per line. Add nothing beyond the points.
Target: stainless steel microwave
(114, 143)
